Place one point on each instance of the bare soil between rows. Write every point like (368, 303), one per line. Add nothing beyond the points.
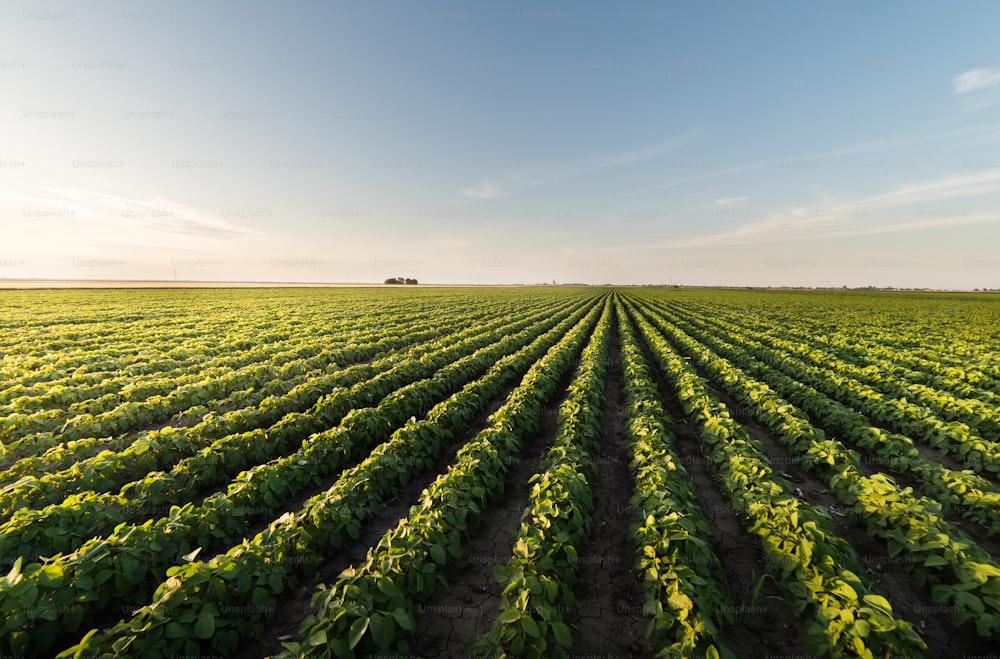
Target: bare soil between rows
(608, 621)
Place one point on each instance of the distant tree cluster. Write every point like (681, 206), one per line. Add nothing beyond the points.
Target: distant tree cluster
(400, 280)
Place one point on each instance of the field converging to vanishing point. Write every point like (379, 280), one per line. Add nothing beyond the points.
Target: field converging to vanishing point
(522, 472)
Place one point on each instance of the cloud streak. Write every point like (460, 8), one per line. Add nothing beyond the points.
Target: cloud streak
(854, 218)
(852, 149)
(103, 219)
(516, 181)
(974, 80)
(979, 134)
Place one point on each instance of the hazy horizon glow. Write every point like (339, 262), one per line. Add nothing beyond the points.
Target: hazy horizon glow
(713, 143)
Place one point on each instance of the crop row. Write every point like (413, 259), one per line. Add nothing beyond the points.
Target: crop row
(942, 335)
(250, 575)
(72, 408)
(537, 583)
(365, 609)
(158, 449)
(211, 525)
(976, 497)
(683, 595)
(819, 573)
(940, 556)
(886, 365)
(914, 421)
(69, 334)
(890, 352)
(980, 416)
(169, 396)
(59, 527)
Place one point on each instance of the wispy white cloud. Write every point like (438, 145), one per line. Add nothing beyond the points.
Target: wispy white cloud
(730, 201)
(485, 190)
(870, 215)
(974, 80)
(948, 187)
(975, 135)
(984, 217)
(104, 219)
(848, 150)
(515, 181)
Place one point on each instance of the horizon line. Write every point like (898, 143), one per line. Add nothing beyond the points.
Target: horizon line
(29, 283)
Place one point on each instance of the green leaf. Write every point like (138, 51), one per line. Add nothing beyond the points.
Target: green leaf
(358, 629)
(530, 627)
(552, 592)
(403, 619)
(438, 554)
(50, 576)
(561, 631)
(389, 589)
(175, 630)
(317, 639)
(383, 630)
(508, 616)
(228, 570)
(680, 602)
(878, 602)
(205, 627)
(969, 601)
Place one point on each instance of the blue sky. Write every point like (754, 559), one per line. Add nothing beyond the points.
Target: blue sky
(731, 143)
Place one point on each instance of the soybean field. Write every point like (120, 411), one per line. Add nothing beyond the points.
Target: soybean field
(499, 472)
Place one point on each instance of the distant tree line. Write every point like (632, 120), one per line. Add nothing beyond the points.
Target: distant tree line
(400, 280)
